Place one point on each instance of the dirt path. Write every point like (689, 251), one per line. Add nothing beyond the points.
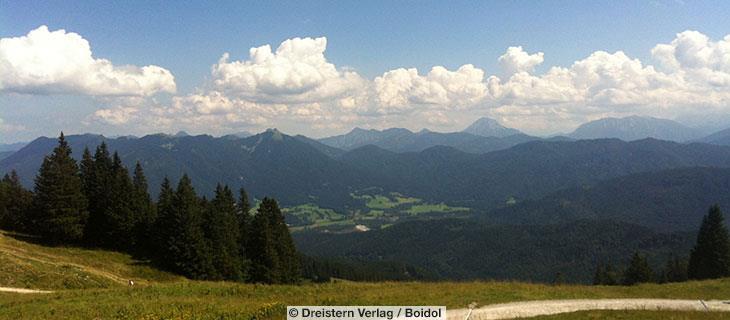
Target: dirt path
(57, 261)
(538, 308)
(20, 290)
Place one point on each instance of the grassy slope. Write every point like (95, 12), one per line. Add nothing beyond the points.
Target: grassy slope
(209, 300)
(27, 265)
(163, 296)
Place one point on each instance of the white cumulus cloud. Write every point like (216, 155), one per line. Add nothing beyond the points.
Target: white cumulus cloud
(49, 62)
(402, 89)
(517, 60)
(297, 72)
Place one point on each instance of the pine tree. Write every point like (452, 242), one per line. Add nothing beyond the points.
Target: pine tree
(17, 204)
(710, 258)
(638, 271)
(144, 209)
(222, 231)
(59, 205)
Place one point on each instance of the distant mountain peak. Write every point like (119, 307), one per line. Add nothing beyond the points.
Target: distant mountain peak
(181, 134)
(489, 127)
(635, 128)
(360, 130)
(275, 134)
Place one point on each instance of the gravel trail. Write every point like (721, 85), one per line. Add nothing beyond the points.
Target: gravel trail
(525, 309)
(21, 290)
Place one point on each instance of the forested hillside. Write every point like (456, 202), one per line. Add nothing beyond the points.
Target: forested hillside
(670, 200)
(463, 249)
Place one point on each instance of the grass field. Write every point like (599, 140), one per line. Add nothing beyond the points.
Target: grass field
(160, 295)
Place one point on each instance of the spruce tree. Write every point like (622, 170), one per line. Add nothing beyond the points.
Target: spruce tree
(261, 249)
(88, 179)
(98, 183)
(222, 231)
(119, 218)
(17, 204)
(244, 227)
(163, 227)
(59, 205)
(271, 250)
(188, 248)
(638, 271)
(144, 209)
(286, 251)
(710, 257)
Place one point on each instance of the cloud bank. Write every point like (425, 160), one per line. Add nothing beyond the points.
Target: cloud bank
(296, 85)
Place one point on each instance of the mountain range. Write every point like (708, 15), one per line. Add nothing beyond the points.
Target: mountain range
(404, 140)
(720, 138)
(578, 202)
(300, 170)
(636, 128)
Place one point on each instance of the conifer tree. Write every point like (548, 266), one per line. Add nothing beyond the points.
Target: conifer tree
(187, 245)
(144, 209)
(222, 231)
(59, 205)
(244, 227)
(638, 271)
(163, 227)
(17, 203)
(261, 249)
(272, 253)
(86, 167)
(119, 218)
(710, 258)
(98, 182)
(286, 251)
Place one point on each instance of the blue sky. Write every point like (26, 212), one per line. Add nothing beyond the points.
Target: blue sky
(367, 37)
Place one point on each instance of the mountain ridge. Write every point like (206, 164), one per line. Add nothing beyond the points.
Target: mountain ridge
(635, 128)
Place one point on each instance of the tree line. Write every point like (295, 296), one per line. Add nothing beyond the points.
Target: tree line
(97, 203)
(709, 259)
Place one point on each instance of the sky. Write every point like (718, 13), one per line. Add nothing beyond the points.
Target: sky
(320, 68)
